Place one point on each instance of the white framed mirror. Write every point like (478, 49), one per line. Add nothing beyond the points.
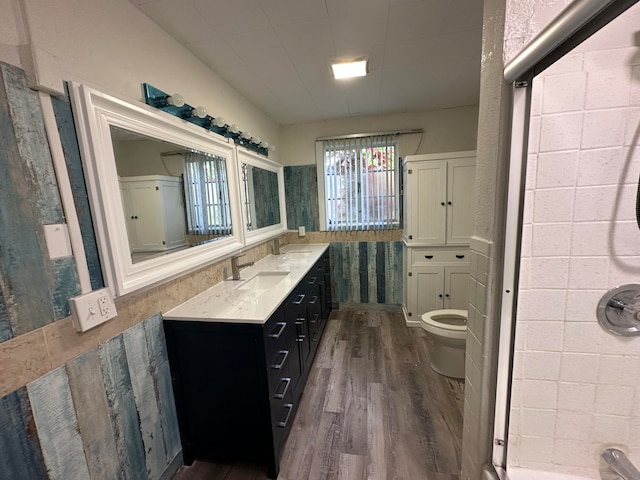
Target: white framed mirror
(263, 204)
(164, 193)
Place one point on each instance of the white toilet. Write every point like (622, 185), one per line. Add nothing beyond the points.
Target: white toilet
(448, 330)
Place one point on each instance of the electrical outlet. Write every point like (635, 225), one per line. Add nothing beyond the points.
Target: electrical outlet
(301, 231)
(103, 303)
(92, 309)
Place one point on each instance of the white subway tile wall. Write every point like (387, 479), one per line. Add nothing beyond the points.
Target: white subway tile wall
(576, 388)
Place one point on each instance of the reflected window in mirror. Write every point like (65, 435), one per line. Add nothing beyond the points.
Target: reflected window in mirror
(207, 196)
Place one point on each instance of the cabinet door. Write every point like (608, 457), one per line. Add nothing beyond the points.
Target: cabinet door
(461, 180)
(149, 227)
(129, 215)
(426, 188)
(173, 214)
(425, 290)
(456, 287)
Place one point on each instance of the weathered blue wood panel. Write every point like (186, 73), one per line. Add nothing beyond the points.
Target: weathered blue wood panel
(301, 194)
(366, 272)
(20, 455)
(92, 411)
(5, 324)
(29, 199)
(66, 284)
(69, 140)
(32, 144)
(122, 405)
(55, 420)
(159, 363)
(144, 392)
(380, 276)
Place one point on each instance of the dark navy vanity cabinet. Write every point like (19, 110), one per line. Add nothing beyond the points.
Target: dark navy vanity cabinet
(237, 385)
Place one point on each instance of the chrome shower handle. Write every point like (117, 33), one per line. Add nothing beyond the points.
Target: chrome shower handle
(620, 463)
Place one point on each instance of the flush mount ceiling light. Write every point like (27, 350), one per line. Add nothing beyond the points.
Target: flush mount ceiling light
(355, 68)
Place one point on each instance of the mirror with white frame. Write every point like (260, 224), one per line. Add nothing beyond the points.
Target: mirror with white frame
(263, 204)
(143, 164)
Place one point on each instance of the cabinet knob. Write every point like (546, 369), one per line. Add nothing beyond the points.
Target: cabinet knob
(442, 203)
(447, 295)
(440, 295)
(449, 203)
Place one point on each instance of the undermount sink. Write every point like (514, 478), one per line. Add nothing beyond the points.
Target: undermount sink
(263, 281)
(296, 255)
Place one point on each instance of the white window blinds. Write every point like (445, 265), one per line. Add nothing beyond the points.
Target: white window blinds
(361, 183)
(207, 193)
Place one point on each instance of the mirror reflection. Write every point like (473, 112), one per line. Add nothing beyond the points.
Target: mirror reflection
(261, 197)
(174, 197)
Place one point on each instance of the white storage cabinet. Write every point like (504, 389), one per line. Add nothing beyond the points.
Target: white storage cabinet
(438, 220)
(154, 212)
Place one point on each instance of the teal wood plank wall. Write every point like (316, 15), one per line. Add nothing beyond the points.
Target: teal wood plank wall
(301, 194)
(110, 412)
(366, 272)
(34, 290)
(106, 414)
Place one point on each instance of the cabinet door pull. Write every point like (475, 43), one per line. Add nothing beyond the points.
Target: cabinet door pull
(449, 203)
(440, 295)
(280, 326)
(442, 203)
(312, 280)
(447, 295)
(283, 423)
(299, 299)
(285, 354)
(459, 256)
(301, 336)
(280, 394)
(428, 257)
(313, 300)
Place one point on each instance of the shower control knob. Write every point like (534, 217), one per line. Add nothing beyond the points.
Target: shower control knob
(618, 311)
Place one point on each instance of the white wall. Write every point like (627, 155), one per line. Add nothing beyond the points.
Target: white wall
(453, 129)
(112, 46)
(576, 387)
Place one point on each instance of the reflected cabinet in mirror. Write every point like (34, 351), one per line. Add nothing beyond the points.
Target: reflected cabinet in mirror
(164, 193)
(262, 184)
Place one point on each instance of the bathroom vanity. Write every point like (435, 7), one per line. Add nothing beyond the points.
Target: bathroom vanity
(240, 354)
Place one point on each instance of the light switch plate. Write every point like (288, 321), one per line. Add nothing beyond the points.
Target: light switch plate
(301, 231)
(91, 309)
(58, 241)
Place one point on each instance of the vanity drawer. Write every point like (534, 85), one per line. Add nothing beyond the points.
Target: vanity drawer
(427, 256)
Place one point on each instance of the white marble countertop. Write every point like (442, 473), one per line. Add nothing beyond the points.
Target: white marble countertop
(259, 292)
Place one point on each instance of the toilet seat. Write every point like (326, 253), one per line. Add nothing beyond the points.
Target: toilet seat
(436, 319)
(434, 322)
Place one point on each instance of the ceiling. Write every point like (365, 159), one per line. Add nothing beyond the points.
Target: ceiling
(423, 54)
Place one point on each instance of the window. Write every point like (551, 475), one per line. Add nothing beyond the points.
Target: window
(360, 183)
(207, 193)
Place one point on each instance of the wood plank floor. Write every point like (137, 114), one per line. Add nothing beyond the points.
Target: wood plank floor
(372, 409)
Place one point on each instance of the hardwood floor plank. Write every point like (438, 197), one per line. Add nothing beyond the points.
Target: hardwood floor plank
(335, 392)
(378, 433)
(351, 467)
(354, 428)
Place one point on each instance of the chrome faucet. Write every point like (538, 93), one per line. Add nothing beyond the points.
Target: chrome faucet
(276, 246)
(620, 464)
(236, 267)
